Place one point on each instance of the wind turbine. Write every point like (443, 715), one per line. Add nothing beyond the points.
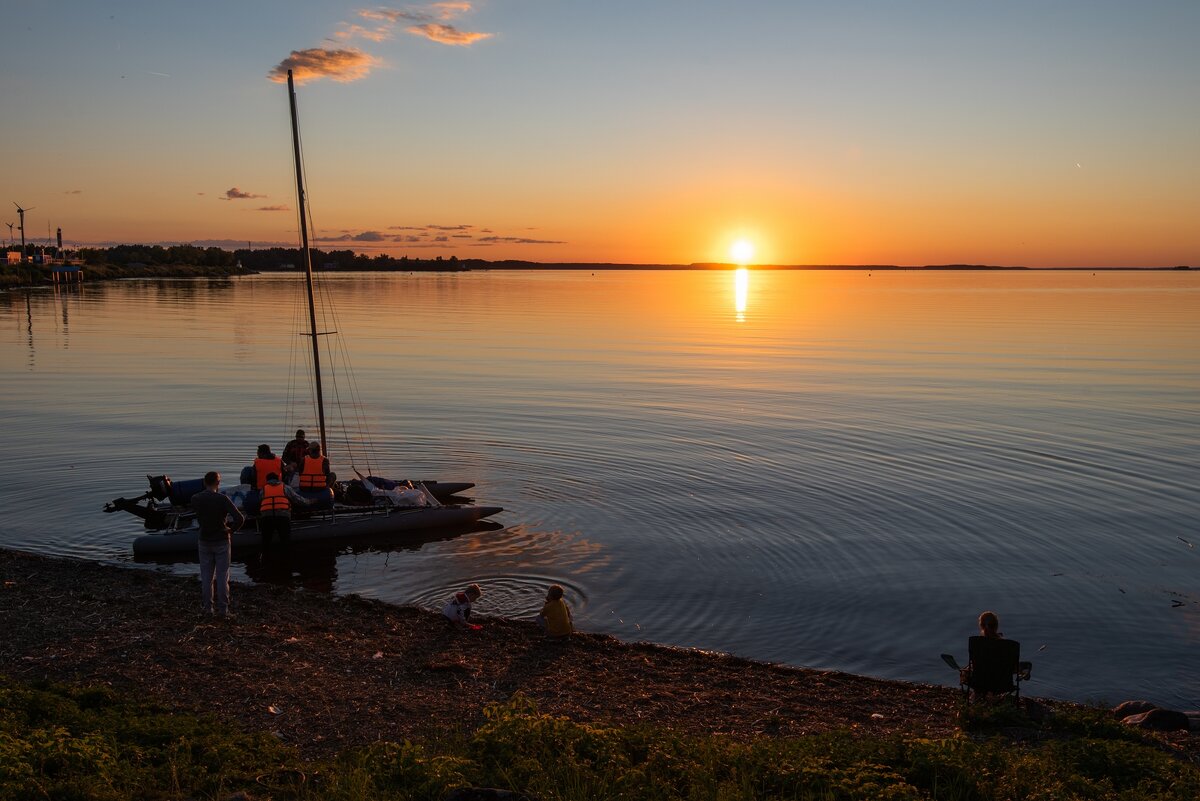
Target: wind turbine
(10, 235)
(21, 213)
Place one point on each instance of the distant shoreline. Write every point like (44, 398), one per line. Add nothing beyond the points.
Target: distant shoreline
(26, 276)
(163, 263)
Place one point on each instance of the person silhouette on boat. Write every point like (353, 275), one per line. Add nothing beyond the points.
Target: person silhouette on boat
(314, 470)
(275, 510)
(213, 513)
(295, 451)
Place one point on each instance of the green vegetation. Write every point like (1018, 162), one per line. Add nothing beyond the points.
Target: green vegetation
(65, 744)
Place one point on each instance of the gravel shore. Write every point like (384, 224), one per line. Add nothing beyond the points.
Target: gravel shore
(326, 672)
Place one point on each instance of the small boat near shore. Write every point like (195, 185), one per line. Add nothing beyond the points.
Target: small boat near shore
(339, 523)
(169, 520)
(363, 507)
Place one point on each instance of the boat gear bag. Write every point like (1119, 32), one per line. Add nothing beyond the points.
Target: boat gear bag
(400, 495)
(178, 492)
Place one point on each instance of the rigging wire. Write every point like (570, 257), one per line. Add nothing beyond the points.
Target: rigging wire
(357, 433)
(338, 354)
(299, 331)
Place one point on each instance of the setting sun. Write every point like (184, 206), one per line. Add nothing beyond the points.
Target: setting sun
(742, 251)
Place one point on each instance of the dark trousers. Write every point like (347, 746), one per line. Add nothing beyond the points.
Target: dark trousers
(270, 525)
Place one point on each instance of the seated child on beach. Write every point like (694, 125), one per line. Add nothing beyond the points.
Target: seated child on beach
(458, 611)
(555, 617)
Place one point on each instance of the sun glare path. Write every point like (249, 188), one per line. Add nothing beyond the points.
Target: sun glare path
(741, 290)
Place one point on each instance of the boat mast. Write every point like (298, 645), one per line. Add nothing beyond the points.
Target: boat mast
(304, 255)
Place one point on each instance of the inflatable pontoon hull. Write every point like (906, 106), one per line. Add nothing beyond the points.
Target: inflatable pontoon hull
(344, 523)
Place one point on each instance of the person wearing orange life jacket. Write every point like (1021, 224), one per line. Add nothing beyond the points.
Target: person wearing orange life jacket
(275, 511)
(265, 464)
(314, 472)
(256, 476)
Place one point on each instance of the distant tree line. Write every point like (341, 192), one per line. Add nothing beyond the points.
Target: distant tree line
(157, 255)
(265, 259)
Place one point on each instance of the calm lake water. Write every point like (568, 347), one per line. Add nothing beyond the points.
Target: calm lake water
(830, 469)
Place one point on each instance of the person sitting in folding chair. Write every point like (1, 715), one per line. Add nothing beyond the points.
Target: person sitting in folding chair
(995, 668)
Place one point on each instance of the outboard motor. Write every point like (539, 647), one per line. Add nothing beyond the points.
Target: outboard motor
(153, 519)
(160, 487)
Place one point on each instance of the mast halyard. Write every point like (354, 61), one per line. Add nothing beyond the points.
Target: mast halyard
(308, 277)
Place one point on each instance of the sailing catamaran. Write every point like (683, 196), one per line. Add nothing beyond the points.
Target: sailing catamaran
(367, 506)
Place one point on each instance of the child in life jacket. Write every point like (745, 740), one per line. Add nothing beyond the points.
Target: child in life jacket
(458, 611)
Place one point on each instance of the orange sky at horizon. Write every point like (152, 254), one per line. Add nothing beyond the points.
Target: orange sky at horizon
(1018, 135)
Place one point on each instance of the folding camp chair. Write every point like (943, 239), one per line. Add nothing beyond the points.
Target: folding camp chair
(995, 668)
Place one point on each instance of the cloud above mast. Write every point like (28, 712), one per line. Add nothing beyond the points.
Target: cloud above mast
(343, 62)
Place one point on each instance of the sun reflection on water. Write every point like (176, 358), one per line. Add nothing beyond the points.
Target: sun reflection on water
(741, 289)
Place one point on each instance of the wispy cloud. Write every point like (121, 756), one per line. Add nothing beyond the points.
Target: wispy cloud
(449, 9)
(343, 63)
(431, 22)
(364, 236)
(518, 240)
(468, 234)
(394, 15)
(447, 34)
(274, 208)
(349, 30)
(315, 63)
(73, 192)
(237, 194)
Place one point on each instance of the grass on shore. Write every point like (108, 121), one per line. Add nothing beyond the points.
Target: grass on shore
(65, 743)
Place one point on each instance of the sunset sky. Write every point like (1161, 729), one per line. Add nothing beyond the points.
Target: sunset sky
(660, 131)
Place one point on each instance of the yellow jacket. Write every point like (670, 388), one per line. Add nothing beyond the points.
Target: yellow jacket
(558, 618)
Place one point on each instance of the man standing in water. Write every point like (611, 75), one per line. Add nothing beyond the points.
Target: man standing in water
(275, 511)
(213, 511)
